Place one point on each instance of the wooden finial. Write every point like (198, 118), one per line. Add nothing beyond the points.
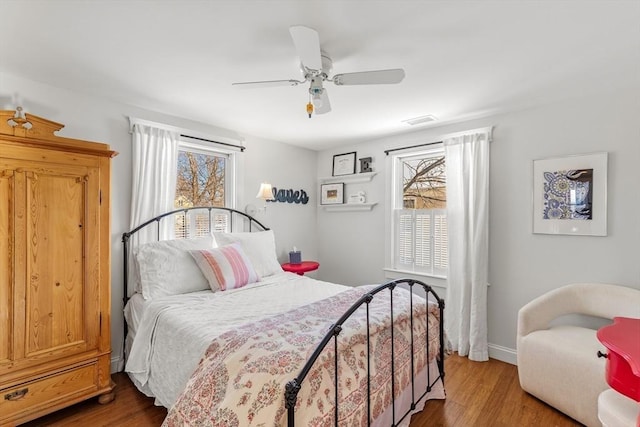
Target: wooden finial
(18, 119)
(22, 124)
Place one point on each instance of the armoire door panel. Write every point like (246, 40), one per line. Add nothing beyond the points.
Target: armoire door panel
(92, 255)
(57, 222)
(7, 184)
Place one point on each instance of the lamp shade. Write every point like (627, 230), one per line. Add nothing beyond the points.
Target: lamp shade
(265, 192)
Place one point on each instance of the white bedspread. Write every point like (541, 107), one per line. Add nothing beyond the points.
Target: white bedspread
(176, 330)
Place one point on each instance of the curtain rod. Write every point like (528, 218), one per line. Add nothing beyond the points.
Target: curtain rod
(411, 146)
(215, 142)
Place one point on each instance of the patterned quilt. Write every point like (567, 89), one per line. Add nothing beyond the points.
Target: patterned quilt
(241, 379)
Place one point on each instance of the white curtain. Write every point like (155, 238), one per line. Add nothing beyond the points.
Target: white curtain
(467, 157)
(154, 159)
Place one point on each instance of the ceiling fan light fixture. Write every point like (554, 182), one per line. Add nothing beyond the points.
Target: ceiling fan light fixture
(316, 65)
(317, 99)
(420, 120)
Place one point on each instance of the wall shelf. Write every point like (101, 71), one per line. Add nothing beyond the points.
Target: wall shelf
(349, 207)
(348, 179)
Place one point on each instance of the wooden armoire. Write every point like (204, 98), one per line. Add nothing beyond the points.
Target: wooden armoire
(55, 296)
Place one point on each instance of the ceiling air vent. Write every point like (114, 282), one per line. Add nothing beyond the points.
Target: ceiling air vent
(420, 120)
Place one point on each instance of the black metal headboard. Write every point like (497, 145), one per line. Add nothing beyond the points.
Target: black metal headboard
(233, 215)
(232, 219)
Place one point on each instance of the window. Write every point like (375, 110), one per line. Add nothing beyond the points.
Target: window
(419, 213)
(204, 179)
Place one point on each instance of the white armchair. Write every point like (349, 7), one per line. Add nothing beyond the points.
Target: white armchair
(559, 364)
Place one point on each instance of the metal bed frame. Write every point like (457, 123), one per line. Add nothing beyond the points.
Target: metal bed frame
(293, 387)
(251, 221)
(232, 213)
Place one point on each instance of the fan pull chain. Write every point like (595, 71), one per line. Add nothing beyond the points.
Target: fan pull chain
(309, 106)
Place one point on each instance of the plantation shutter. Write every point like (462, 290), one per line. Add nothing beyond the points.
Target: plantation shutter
(423, 235)
(421, 241)
(220, 222)
(440, 243)
(404, 240)
(196, 223)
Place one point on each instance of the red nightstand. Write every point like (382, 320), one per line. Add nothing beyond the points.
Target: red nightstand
(301, 268)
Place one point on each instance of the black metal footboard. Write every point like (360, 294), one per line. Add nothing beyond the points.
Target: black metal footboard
(293, 387)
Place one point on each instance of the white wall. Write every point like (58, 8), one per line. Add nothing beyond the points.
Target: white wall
(522, 265)
(102, 120)
(287, 167)
(351, 245)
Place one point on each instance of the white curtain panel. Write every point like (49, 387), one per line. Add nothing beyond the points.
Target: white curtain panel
(467, 157)
(155, 156)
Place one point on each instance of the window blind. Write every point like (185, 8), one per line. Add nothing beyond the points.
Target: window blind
(421, 241)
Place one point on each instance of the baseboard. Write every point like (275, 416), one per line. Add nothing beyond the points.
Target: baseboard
(504, 354)
(117, 364)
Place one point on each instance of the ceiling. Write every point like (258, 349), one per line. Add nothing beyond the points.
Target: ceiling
(463, 59)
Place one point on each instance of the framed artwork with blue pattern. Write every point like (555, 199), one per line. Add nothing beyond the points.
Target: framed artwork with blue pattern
(570, 195)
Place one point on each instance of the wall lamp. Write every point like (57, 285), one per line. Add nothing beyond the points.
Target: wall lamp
(265, 193)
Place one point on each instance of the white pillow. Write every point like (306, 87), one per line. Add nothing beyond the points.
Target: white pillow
(167, 268)
(259, 246)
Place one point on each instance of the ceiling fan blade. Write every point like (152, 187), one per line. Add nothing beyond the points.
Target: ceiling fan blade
(326, 105)
(379, 77)
(307, 44)
(268, 83)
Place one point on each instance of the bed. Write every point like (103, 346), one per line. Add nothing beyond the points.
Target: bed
(217, 333)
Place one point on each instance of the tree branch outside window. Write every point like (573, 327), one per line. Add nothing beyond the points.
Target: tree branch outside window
(424, 183)
(200, 180)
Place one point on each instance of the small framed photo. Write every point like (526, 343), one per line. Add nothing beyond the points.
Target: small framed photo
(344, 164)
(332, 194)
(570, 195)
(365, 165)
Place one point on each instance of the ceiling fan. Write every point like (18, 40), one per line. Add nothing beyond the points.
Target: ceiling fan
(316, 66)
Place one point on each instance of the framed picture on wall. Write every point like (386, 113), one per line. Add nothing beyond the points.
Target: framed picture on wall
(344, 164)
(332, 194)
(570, 195)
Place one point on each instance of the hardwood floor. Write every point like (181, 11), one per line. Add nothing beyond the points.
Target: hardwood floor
(478, 394)
(487, 394)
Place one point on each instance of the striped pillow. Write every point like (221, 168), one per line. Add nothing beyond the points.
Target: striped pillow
(226, 267)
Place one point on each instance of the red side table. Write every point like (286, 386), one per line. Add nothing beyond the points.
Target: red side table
(623, 358)
(300, 269)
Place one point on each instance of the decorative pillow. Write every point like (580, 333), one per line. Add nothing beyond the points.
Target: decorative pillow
(226, 267)
(259, 246)
(166, 268)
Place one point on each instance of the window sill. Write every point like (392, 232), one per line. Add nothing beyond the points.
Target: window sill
(437, 281)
